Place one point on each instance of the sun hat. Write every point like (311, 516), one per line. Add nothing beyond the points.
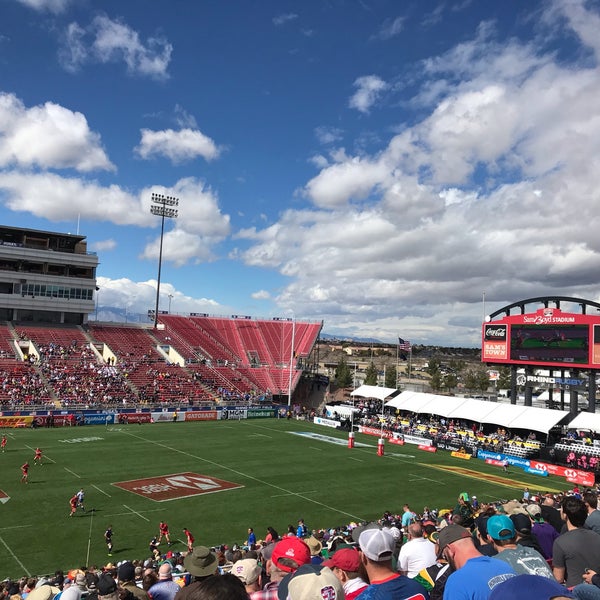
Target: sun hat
(200, 561)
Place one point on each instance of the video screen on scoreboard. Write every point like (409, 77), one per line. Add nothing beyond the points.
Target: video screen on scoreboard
(550, 343)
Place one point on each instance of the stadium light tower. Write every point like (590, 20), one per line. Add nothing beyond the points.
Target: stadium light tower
(162, 206)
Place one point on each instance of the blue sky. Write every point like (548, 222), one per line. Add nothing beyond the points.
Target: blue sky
(376, 164)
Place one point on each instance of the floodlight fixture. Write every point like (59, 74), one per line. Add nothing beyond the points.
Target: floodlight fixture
(161, 207)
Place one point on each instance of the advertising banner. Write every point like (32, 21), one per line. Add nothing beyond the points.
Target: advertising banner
(260, 413)
(327, 422)
(375, 431)
(137, 417)
(461, 455)
(427, 448)
(201, 415)
(536, 472)
(418, 441)
(16, 421)
(234, 413)
(98, 419)
(396, 440)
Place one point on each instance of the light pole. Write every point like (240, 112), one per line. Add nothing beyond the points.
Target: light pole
(161, 207)
(170, 298)
(97, 300)
(291, 361)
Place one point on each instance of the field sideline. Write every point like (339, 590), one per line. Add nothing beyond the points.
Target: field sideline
(283, 470)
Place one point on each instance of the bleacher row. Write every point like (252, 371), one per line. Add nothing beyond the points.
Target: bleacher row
(118, 364)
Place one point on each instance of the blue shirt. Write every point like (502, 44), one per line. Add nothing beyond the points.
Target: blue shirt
(477, 578)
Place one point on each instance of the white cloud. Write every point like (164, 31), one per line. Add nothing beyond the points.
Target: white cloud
(494, 190)
(178, 146)
(368, 92)
(391, 28)
(284, 18)
(200, 225)
(103, 245)
(56, 198)
(53, 6)
(48, 136)
(110, 41)
(261, 295)
(139, 296)
(328, 135)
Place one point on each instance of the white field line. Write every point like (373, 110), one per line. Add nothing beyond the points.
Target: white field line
(15, 557)
(44, 456)
(101, 491)
(72, 472)
(247, 476)
(135, 512)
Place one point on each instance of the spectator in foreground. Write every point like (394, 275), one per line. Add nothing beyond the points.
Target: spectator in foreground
(288, 555)
(345, 564)
(248, 571)
(523, 559)
(311, 582)
(201, 564)
(577, 549)
(530, 587)
(165, 588)
(377, 547)
(417, 553)
(474, 574)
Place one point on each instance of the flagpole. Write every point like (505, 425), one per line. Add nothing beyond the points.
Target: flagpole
(397, 359)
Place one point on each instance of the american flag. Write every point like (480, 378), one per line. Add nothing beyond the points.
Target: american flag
(403, 344)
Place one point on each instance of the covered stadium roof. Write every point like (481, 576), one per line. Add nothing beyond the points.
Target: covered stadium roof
(586, 421)
(481, 411)
(373, 391)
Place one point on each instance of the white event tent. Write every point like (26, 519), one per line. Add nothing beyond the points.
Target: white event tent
(482, 411)
(586, 421)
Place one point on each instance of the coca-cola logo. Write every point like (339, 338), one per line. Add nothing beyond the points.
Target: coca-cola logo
(495, 332)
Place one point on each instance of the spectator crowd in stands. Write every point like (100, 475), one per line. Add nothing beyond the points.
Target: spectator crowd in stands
(539, 546)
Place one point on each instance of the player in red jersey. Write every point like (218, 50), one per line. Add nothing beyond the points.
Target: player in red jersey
(163, 531)
(73, 504)
(37, 459)
(189, 538)
(3, 443)
(25, 472)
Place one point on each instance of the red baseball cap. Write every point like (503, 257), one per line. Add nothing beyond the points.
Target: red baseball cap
(292, 548)
(347, 559)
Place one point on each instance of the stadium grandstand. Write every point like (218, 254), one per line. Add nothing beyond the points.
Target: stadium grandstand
(52, 356)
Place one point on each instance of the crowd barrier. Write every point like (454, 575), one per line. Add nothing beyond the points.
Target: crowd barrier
(65, 418)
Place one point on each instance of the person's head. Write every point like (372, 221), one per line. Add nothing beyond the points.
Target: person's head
(377, 548)
(591, 499)
(165, 571)
(289, 554)
(501, 530)
(219, 587)
(201, 562)
(248, 572)
(107, 587)
(415, 531)
(456, 545)
(345, 564)
(574, 511)
(126, 572)
(527, 587)
(311, 582)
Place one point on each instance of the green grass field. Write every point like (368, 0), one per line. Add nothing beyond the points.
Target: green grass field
(284, 477)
